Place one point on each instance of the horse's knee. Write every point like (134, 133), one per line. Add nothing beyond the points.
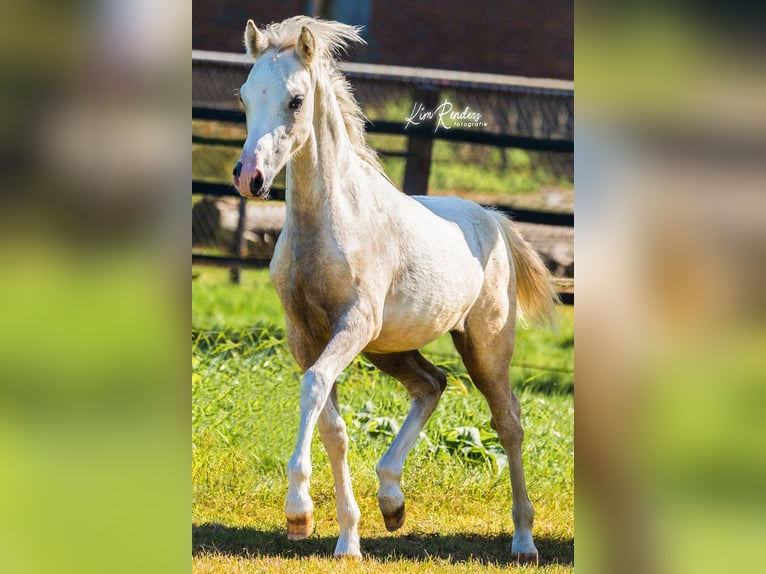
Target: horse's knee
(433, 374)
(508, 428)
(334, 435)
(312, 389)
(428, 388)
(335, 426)
(436, 387)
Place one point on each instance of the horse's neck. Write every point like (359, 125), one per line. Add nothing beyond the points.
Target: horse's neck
(318, 173)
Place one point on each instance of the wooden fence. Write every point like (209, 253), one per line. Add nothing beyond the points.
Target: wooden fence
(420, 139)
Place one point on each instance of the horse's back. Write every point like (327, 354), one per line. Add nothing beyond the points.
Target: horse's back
(477, 225)
(449, 207)
(455, 209)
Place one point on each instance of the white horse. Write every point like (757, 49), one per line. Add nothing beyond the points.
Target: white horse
(362, 268)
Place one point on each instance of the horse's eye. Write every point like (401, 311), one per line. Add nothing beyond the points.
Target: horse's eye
(296, 103)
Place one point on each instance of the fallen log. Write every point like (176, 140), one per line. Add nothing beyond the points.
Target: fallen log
(214, 224)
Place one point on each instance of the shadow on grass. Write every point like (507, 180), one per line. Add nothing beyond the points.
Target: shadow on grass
(456, 548)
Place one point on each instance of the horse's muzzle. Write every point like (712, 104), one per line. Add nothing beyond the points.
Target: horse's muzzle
(254, 187)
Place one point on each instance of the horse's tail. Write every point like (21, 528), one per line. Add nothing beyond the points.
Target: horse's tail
(535, 294)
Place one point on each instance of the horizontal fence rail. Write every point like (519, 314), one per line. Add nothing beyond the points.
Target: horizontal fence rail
(398, 128)
(525, 113)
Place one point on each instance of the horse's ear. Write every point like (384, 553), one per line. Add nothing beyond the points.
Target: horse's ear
(255, 42)
(306, 46)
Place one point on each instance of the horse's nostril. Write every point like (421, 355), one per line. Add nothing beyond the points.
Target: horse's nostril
(237, 169)
(256, 183)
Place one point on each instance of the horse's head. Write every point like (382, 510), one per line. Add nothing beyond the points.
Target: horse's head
(278, 101)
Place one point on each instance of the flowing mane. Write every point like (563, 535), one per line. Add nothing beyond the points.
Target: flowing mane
(332, 38)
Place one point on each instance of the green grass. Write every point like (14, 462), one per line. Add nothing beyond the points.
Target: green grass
(219, 305)
(245, 401)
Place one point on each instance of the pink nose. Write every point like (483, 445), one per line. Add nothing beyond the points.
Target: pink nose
(248, 186)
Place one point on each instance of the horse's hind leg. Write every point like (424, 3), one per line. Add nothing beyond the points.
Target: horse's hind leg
(486, 346)
(425, 384)
(332, 430)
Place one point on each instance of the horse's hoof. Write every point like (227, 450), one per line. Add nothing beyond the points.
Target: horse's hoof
(395, 520)
(299, 527)
(527, 558)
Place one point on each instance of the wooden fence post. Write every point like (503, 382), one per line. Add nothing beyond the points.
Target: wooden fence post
(239, 239)
(419, 145)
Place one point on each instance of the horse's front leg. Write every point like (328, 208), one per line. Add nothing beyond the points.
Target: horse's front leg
(351, 335)
(425, 384)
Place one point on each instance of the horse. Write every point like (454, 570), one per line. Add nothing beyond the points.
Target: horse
(362, 268)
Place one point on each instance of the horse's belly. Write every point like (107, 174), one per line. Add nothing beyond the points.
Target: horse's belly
(415, 315)
(394, 338)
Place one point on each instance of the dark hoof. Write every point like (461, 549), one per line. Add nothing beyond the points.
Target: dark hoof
(395, 520)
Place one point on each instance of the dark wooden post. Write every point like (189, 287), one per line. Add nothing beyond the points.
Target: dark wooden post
(239, 239)
(419, 145)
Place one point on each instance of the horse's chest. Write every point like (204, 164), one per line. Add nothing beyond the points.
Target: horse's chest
(314, 287)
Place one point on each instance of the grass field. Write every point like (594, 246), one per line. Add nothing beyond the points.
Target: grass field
(245, 413)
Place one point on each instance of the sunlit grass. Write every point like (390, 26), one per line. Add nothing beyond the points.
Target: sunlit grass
(218, 304)
(244, 413)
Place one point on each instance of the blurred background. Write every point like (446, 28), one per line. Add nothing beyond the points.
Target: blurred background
(670, 245)
(494, 37)
(94, 298)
